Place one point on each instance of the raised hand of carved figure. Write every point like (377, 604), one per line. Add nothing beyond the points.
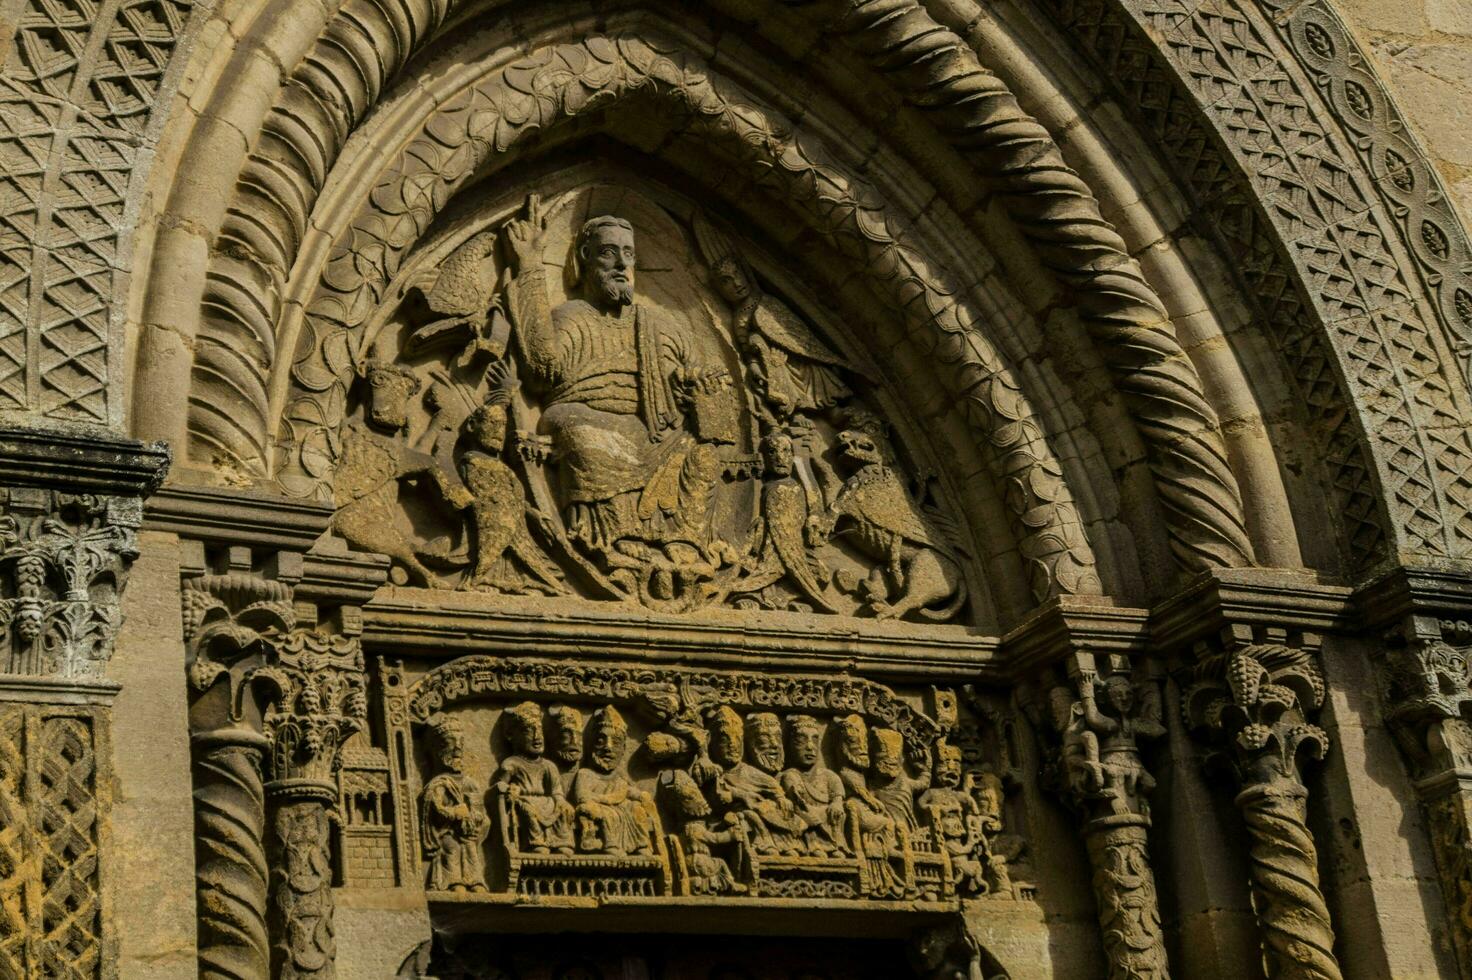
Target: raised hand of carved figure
(524, 236)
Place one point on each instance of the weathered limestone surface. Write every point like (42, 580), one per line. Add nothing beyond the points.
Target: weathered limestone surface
(761, 488)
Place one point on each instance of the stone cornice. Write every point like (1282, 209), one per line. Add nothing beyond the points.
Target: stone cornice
(80, 462)
(1292, 600)
(1069, 624)
(236, 516)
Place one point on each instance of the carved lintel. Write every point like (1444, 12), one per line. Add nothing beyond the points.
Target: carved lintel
(1251, 695)
(1101, 710)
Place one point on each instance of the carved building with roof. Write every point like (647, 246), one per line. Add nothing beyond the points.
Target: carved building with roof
(764, 489)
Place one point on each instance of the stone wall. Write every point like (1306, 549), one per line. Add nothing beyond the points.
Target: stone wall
(1423, 48)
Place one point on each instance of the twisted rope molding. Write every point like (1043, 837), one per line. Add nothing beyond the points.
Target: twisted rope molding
(555, 86)
(327, 95)
(1055, 210)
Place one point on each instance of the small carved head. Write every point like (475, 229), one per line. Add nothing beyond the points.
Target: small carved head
(805, 738)
(947, 765)
(610, 732)
(777, 453)
(861, 447)
(487, 426)
(726, 742)
(524, 728)
(853, 741)
(449, 742)
(889, 752)
(1121, 694)
(566, 729)
(731, 280)
(389, 388)
(604, 260)
(764, 737)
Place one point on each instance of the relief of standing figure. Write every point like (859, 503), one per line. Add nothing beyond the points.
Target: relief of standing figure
(453, 819)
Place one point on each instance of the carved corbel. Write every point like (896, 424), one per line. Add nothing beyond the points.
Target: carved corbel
(275, 698)
(1251, 697)
(1099, 711)
(1427, 688)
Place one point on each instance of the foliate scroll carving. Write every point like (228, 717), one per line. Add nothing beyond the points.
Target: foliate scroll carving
(1427, 688)
(1099, 720)
(65, 561)
(610, 446)
(615, 783)
(553, 86)
(51, 922)
(1254, 700)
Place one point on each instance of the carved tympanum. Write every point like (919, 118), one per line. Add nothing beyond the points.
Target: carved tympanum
(696, 445)
(613, 783)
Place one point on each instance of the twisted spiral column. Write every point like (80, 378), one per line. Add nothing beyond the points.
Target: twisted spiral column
(1297, 937)
(1124, 891)
(230, 856)
(939, 74)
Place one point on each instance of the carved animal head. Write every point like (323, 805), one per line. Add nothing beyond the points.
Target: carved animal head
(389, 389)
(861, 447)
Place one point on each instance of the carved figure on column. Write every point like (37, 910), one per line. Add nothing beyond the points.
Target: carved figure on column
(1253, 700)
(633, 415)
(531, 787)
(1428, 697)
(453, 817)
(613, 815)
(1098, 770)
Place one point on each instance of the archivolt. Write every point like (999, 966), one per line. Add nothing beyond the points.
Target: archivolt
(1053, 208)
(556, 85)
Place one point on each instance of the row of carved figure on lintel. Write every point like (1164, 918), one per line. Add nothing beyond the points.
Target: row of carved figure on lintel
(738, 806)
(636, 465)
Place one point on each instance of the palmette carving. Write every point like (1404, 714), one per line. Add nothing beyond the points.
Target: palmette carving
(1254, 700)
(667, 787)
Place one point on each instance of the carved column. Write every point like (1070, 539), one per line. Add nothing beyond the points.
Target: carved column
(70, 506)
(1428, 704)
(274, 702)
(1099, 718)
(1252, 696)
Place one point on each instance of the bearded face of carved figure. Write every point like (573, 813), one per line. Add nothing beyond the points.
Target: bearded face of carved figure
(777, 454)
(566, 726)
(805, 740)
(726, 741)
(452, 749)
(608, 257)
(732, 282)
(765, 735)
(888, 753)
(853, 741)
(1121, 694)
(487, 426)
(608, 745)
(948, 767)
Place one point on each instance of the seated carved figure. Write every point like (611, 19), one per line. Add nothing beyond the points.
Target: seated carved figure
(531, 785)
(453, 820)
(955, 820)
(815, 790)
(751, 795)
(706, 872)
(891, 785)
(614, 816)
(878, 832)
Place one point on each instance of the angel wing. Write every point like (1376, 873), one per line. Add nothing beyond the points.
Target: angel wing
(785, 507)
(886, 504)
(713, 243)
(461, 296)
(774, 321)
